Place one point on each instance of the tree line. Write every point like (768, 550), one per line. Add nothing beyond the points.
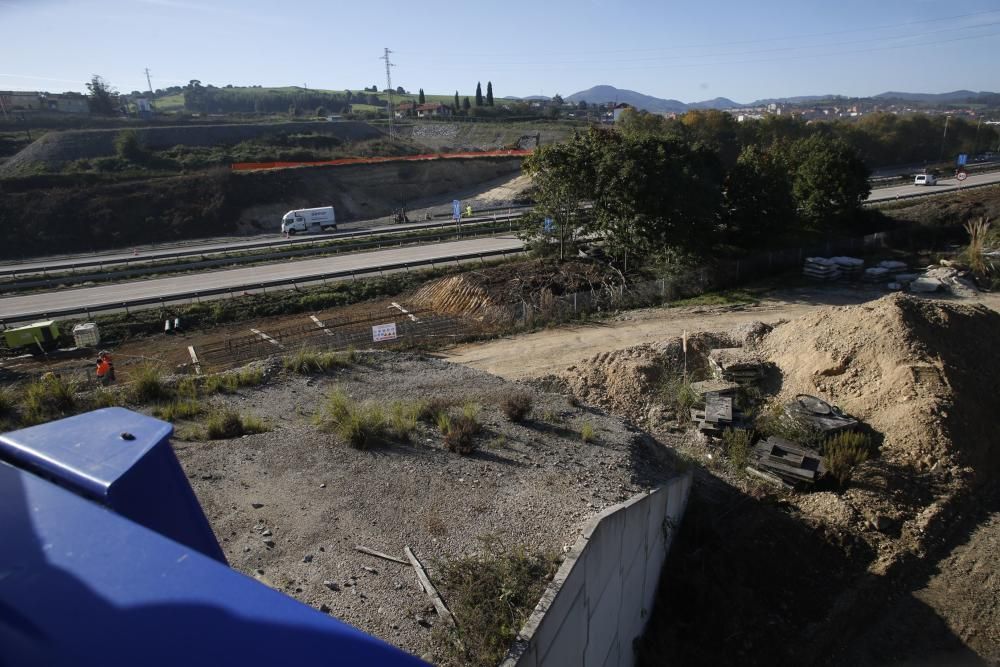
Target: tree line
(881, 139)
(650, 196)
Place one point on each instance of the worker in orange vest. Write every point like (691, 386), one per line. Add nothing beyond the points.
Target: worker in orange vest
(105, 369)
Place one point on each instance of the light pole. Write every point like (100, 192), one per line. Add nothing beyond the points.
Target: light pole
(943, 138)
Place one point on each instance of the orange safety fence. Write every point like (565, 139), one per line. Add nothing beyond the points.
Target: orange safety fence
(253, 166)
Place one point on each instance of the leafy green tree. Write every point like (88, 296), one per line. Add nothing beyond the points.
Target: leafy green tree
(489, 93)
(563, 176)
(759, 205)
(829, 182)
(129, 147)
(479, 94)
(103, 96)
(557, 99)
(421, 98)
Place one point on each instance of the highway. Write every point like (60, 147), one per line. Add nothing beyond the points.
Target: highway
(212, 247)
(15, 307)
(943, 185)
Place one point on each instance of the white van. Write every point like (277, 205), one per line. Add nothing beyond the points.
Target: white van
(309, 220)
(925, 179)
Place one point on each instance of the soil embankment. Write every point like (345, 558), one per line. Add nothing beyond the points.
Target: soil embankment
(55, 150)
(49, 217)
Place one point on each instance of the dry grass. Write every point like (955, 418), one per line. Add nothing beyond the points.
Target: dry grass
(517, 406)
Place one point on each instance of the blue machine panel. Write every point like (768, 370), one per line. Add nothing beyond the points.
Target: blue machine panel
(120, 459)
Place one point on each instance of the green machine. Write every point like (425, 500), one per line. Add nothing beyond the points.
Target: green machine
(40, 335)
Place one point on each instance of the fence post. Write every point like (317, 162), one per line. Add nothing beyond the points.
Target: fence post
(574, 302)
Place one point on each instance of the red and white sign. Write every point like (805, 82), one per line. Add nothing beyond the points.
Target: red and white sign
(961, 176)
(382, 332)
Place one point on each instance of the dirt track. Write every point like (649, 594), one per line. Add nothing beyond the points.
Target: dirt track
(552, 350)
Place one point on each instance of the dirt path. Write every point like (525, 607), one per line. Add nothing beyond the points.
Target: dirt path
(552, 350)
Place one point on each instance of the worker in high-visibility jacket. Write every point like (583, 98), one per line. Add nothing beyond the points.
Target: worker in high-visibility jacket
(105, 369)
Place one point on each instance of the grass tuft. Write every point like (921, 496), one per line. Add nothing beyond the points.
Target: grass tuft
(231, 424)
(50, 397)
(148, 385)
(185, 408)
(461, 433)
(587, 432)
(360, 426)
(307, 362)
(737, 444)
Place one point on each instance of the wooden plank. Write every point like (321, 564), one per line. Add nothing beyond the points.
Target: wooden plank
(718, 408)
(405, 311)
(428, 587)
(323, 327)
(266, 337)
(194, 359)
(379, 554)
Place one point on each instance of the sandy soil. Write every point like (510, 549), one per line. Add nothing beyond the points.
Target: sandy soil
(553, 350)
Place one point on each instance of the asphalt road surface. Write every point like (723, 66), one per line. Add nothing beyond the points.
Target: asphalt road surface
(943, 185)
(14, 307)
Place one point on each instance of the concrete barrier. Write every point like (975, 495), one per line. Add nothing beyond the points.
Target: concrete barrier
(599, 600)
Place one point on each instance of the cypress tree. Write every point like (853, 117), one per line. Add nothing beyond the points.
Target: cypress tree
(479, 94)
(489, 93)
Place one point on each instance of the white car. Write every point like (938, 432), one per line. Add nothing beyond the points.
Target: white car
(924, 179)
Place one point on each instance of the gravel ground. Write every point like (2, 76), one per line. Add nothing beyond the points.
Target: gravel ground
(288, 506)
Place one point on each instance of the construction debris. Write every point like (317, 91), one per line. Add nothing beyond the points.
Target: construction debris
(821, 268)
(718, 415)
(792, 463)
(736, 364)
(818, 416)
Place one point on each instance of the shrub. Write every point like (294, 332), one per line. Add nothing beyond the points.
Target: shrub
(443, 422)
(737, 443)
(360, 426)
(978, 231)
(186, 408)
(250, 377)
(461, 433)
(517, 406)
(493, 594)
(47, 398)
(230, 424)
(432, 409)
(148, 385)
(220, 384)
(677, 394)
(843, 452)
(587, 432)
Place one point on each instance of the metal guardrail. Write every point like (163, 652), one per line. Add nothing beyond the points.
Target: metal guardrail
(479, 229)
(73, 266)
(931, 193)
(247, 287)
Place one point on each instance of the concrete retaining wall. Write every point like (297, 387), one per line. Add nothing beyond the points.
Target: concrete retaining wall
(599, 600)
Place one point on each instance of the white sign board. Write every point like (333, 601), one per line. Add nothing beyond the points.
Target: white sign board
(384, 332)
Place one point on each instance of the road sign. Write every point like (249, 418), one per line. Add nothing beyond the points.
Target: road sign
(961, 176)
(382, 332)
(456, 209)
(962, 159)
(547, 225)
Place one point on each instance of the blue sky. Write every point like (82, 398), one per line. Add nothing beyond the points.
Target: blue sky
(683, 50)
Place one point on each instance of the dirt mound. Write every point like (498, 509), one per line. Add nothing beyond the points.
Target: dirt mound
(920, 372)
(460, 295)
(629, 381)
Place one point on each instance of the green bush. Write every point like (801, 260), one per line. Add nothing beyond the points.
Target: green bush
(187, 388)
(147, 383)
(48, 398)
(843, 452)
(676, 393)
(587, 432)
(517, 406)
(492, 595)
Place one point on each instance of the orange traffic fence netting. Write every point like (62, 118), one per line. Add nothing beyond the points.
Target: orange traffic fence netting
(253, 166)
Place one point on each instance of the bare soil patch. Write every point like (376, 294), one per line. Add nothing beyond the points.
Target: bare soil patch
(531, 484)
